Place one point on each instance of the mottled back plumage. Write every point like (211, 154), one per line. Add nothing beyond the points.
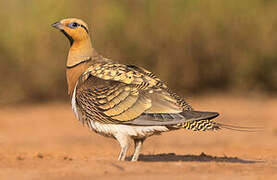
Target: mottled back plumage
(109, 92)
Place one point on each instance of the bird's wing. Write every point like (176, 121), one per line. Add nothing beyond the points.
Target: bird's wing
(180, 101)
(116, 93)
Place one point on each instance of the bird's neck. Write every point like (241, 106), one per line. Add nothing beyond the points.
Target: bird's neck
(80, 57)
(79, 51)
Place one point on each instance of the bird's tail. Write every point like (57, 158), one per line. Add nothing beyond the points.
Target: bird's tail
(239, 128)
(205, 125)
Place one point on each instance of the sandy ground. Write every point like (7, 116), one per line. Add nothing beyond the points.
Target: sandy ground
(47, 142)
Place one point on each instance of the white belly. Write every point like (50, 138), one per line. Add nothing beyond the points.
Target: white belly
(113, 129)
(131, 131)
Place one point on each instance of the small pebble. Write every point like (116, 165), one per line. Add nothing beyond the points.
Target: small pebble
(67, 158)
(39, 155)
(19, 158)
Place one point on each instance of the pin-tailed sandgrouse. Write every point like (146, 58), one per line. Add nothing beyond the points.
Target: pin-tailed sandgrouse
(123, 101)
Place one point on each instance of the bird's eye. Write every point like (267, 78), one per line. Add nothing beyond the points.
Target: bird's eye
(73, 25)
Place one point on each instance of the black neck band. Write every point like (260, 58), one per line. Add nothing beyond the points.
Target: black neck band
(69, 67)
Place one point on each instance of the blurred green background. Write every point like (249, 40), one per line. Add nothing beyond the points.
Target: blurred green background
(197, 47)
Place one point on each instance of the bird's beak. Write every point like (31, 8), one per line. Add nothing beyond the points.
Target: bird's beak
(58, 25)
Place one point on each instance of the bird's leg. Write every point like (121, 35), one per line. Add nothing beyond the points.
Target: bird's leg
(124, 144)
(138, 144)
(122, 154)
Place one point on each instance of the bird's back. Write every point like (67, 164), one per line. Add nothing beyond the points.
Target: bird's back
(112, 93)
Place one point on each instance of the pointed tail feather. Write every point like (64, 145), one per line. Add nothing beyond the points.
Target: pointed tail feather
(240, 128)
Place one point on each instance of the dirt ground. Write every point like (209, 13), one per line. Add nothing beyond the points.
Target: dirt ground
(45, 141)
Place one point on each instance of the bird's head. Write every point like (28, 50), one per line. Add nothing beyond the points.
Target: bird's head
(74, 29)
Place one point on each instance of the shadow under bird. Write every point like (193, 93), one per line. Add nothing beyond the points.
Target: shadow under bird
(123, 101)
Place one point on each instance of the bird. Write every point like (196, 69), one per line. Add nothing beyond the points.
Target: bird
(124, 102)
